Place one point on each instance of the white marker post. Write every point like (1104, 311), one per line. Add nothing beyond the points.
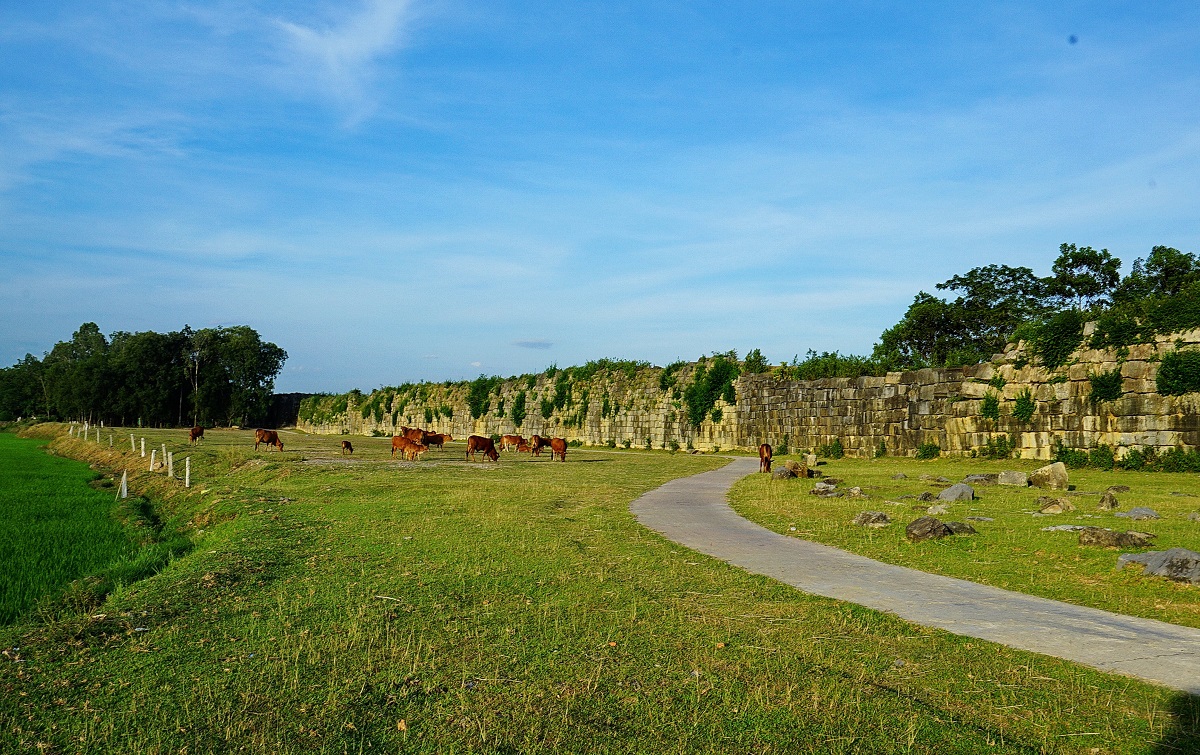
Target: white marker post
(125, 484)
(143, 448)
(153, 451)
(187, 472)
(110, 440)
(171, 464)
(132, 445)
(164, 453)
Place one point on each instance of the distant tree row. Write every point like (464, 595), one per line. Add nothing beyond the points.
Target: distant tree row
(211, 376)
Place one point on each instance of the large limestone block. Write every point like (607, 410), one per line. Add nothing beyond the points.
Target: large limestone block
(1050, 477)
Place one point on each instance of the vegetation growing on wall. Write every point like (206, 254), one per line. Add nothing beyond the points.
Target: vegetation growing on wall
(709, 383)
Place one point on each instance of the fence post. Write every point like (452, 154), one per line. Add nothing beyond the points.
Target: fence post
(132, 445)
(171, 464)
(187, 472)
(143, 448)
(110, 440)
(164, 453)
(153, 451)
(125, 484)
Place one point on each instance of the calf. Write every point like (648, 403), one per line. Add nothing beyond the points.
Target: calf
(486, 445)
(195, 434)
(270, 437)
(558, 447)
(764, 457)
(414, 450)
(347, 448)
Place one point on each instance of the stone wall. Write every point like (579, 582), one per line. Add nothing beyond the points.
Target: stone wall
(902, 410)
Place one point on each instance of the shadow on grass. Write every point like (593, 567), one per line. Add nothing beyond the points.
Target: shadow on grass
(1183, 736)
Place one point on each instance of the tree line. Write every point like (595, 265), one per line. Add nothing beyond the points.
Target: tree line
(210, 376)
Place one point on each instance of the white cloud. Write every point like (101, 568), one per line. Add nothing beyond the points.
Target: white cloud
(341, 59)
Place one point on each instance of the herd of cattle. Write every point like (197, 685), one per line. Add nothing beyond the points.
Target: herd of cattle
(413, 441)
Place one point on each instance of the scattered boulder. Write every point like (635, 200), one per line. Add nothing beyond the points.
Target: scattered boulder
(990, 478)
(1065, 528)
(1179, 564)
(1050, 477)
(1048, 505)
(872, 519)
(1108, 501)
(1138, 513)
(810, 460)
(1009, 477)
(900, 476)
(1184, 495)
(941, 479)
(1113, 539)
(927, 496)
(825, 490)
(796, 467)
(958, 492)
(856, 492)
(834, 480)
(783, 473)
(926, 528)
(1194, 516)
(1118, 488)
(961, 528)
(937, 510)
(980, 519)
(926, 477)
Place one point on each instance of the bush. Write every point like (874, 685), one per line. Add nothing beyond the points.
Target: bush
(428, 416)
(1106, 386)
(881, 450)
(1054, 340)
(1115, 329)
(611, 442)
(1024, 407)
(997, 382)
(673, 445)
(709, 384)
(783, 446)
(716, 415)
(649, 445)
(927, 451)
(575, 443)
(991, 406)
(1179, 373)
(834, 450)
(1101, 457)
(998, 448)
(518, 409)
(628, 442)
(1071, 457)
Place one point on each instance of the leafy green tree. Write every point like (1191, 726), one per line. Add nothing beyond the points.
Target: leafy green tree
(756, 363)
(1084, 276)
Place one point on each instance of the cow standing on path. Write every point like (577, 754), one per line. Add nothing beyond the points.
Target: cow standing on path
(764, 457)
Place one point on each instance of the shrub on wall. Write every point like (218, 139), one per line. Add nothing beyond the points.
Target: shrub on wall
(927, 451)
(1179, 373)
(1106, 386)
(997, 448)
(518, 408)
(991, 406)
(881, 450)
(834, 450)
(1025, 405)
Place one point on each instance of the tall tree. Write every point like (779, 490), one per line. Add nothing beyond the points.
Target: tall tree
(1084, 276)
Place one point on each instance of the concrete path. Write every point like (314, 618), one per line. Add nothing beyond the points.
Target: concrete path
(693, 512)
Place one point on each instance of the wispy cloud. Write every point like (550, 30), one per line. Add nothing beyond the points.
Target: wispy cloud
(341, 59)
(533, 344)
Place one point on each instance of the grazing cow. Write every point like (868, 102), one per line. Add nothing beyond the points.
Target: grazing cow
(270, 437)
(486, 445)
(347, 448)
(537, 443)
(511, 441)
(195, 434)
(433, 439)
(764, 457)
(558, 447)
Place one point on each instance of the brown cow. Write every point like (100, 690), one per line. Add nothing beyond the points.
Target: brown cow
(399, 443)
(347, 448)
(524, 448)
(195, 434)
(433, 439)
(558, 447)
(486, 445)
(270, 437)
(764, 457)
(537, 443)
(511, 441)
(414, 434)
(414, 451)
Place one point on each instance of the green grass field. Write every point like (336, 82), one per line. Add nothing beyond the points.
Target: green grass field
(364, 605)
(55, 528)
(1011, 552)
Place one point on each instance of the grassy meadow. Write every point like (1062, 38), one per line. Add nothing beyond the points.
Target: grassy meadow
(1012, 552)
(361, 604)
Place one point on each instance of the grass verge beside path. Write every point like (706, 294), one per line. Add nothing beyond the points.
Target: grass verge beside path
(1011, 552)
(365, 605)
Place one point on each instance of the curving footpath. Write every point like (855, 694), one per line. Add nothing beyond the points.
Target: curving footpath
(692, 511)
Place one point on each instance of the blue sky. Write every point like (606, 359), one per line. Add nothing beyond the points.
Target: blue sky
(399, 191)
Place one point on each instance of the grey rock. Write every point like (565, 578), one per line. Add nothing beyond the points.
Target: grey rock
(980, 519)
(990, 478)
(1138, 513)
(1179, 564)
(783, 473)
(856, 492)
(1009, 477)
(927, 496)
(1108, 501)
(1065, 528)
(1184, 495)
(1194, 516)
(926, 528)
(926, 477)
(1113, 539)
(872, 519)
(1118, 488)
(1050, 477)
(900, 476)
(810, 460)
(825, 490)
(937, 510)
(834, 480)
(961, 528)
(957, 492)
(941, 479)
